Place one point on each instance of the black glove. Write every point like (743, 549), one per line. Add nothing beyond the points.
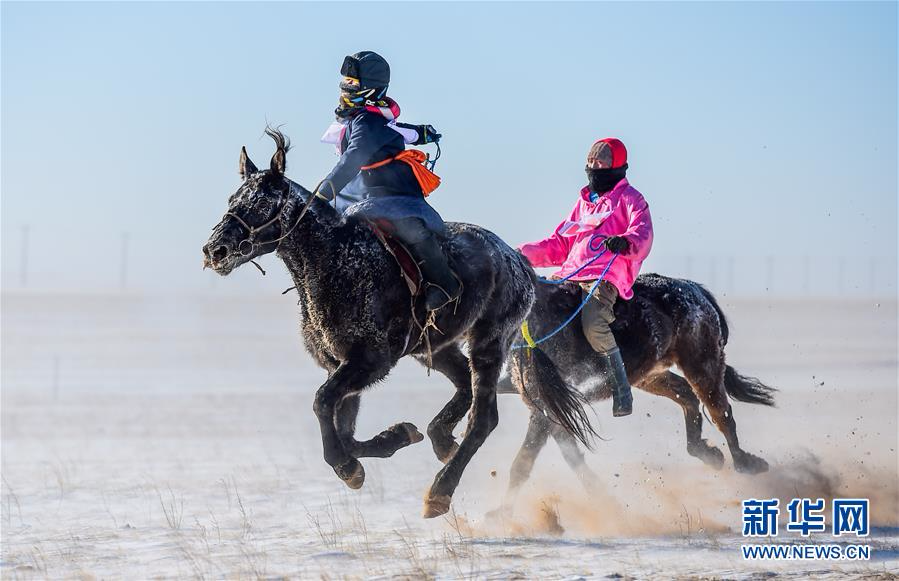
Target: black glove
(426, 133)
(325, 191)
(617, 244)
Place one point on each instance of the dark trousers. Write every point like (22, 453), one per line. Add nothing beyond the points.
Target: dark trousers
(409, 231)
(425, 249)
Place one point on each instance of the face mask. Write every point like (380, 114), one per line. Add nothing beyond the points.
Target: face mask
(352, 99)
(603, 180)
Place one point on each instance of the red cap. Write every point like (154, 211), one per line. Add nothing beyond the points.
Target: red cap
(607, 153)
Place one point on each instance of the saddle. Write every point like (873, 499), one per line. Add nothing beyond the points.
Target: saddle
(403, 257)
(414, 279)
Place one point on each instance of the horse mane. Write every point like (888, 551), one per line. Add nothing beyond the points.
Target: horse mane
(282, 142)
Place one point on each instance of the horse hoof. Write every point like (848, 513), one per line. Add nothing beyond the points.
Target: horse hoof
(411, 432)
(436, 506)
(710, 455)
(352, 473)
(749, 464)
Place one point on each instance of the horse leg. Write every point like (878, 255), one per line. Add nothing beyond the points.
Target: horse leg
(451, 362)
(349, 378)
(574, 456)
(488, 351)
(707, 380)
(677, 389)
(534, 440)
(383, 445)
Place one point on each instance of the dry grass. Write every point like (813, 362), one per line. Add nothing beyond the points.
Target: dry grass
(10, 499)
(330, 529)
(172, 508)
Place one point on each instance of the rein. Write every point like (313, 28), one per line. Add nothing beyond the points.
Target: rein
(254, 230)
(591, 245)
(530, 343)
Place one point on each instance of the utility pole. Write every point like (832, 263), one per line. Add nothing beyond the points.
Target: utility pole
(123, 271)
(23, 264)
(55, 377)
(872, 276)
(731, 286)
(806, 275)
(841, 271)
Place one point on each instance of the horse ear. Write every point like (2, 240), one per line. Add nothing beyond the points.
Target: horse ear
(279, 162)
(246, 166)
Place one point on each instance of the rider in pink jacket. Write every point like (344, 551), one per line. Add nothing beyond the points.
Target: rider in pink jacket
(609, 217)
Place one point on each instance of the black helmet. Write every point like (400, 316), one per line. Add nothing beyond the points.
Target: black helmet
(369, 67)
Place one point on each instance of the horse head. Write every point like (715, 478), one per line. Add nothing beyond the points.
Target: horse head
(260, 213)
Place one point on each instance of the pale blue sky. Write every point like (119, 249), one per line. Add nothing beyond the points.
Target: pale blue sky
(754, 129)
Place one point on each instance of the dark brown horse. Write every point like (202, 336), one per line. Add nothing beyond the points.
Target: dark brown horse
(668, 322)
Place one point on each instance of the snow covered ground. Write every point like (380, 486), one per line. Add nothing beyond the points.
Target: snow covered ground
(153, 436)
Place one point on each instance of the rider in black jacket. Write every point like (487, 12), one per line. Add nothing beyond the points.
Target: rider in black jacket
(390, 193)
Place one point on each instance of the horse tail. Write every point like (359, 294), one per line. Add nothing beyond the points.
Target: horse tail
(739, 387)
(547, 390)
(725, 330)
(747, 389)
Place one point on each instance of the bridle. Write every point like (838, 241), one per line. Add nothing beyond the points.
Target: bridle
(254, 230)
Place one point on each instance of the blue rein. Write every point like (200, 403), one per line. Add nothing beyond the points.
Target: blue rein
(524, 326)
(591, 245)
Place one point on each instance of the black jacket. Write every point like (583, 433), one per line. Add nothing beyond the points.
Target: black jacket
(368, 140)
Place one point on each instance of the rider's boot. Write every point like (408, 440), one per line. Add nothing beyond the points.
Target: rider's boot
(442, 286)
(596, 318)
(622, 398)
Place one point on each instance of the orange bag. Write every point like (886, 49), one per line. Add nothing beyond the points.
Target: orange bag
(414, 158)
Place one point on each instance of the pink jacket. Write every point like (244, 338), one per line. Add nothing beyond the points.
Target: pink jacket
(620, 212)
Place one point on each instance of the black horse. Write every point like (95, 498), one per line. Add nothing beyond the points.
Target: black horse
(668, 322)
(359, 319)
